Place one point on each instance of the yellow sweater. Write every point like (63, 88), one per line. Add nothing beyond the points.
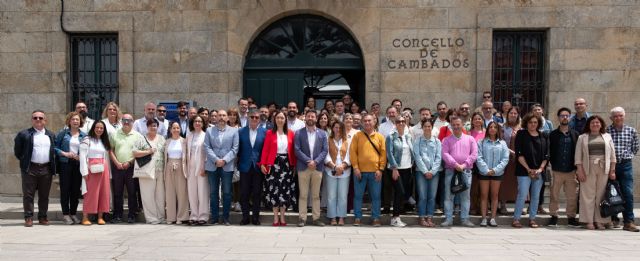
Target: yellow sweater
(362, 154)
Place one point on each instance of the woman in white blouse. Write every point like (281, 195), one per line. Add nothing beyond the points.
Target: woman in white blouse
(337, 173)
(175, 176)
(94, 167)
(197, 182)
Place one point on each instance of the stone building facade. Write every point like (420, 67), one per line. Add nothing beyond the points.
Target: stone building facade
(421, 51)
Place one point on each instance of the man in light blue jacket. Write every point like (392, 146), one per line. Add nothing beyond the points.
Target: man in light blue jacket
(221, 144)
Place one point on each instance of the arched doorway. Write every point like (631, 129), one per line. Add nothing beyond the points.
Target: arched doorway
(303, 56)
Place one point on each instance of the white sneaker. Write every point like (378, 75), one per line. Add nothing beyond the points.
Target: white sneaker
(238, 208)
(446, 223)
(412, 201)
(75, 219)
(67, 220)
(483, 223)
(396, 222)
(493, 223)
(468, 223)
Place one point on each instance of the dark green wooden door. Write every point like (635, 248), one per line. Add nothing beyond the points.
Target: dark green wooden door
(274, 86)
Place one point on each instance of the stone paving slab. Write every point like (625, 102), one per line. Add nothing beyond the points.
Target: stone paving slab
(179, 242)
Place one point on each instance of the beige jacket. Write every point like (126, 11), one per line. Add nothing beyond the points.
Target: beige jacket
(582, 152)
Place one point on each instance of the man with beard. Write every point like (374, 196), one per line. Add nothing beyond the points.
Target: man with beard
(193, 111)
(243, 107)
(311, 149)
(562, 142)
(293, 123)
(161, 117)
(416, 130)
(264, 118)
(182, 118)
(463, 113)
(81, 108)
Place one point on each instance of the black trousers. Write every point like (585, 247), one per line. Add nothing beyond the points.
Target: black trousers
(387, 189)
(70, 182)
(37, 179)
(251, 190)
(122, 179)
(402, 188)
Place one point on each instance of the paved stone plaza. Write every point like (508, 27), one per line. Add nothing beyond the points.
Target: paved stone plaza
(164, 242)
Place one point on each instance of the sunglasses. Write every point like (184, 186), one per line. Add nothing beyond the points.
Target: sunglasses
(486, 97)
(37, 118)
(127, 121)
(254, 117)
(162, 110)
(399, 122)
(464, 109)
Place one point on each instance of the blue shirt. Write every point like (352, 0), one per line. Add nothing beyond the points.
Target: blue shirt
(492, 155)
(428, 154)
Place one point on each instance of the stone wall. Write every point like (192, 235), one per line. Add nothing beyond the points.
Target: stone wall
(194, 49)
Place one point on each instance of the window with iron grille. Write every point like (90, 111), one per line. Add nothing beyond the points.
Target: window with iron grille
(94, 71)
(518, 68)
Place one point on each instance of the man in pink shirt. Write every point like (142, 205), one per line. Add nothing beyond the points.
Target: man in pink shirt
(459, 152)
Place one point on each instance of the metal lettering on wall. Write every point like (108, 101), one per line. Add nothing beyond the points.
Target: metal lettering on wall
(430, 54)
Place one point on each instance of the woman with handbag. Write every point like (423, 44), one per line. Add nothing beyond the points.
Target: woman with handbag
(151, 175)
(277, 164)
(337, 173)
(595, 159)
(67, 146)
(197, 181)
(532, 155)
(94, 167)
(428, 155)
(493, 157)
(175, 175)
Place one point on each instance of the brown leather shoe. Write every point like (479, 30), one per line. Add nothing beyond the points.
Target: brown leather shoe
(630, 227)
(376, 223)
(516, 224)
(43, 221)
(533, 224)
(356, 222)
(28, 222)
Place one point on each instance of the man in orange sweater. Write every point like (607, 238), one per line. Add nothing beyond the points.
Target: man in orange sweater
(368, 159)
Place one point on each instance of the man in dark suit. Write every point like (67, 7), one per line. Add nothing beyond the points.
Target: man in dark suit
(34, 148)
(311, 148)
(251, 140)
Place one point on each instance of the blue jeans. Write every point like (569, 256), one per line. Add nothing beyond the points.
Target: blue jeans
(368, 179)
(531, 187)
(464, 196)
(215, 177)
(624, 176)
(337, 190)
(427, 189)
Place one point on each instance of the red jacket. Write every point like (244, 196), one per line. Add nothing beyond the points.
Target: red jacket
(270, 149)
(445, 131)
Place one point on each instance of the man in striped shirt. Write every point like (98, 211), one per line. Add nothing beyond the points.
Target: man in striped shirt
(625, 140)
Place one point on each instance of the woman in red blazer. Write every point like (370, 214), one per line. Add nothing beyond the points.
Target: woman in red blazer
(278, 163)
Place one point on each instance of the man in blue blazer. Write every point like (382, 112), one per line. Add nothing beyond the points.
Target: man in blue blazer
(221, 144)
(311, 148)
(251, 141)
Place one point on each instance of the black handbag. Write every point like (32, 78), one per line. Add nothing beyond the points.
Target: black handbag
(144, 160)
(613, 203)
(458, 184)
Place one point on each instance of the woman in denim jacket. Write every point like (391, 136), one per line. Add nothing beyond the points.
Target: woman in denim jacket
(427, 151)
(67, 148)
(399, 148)
(493, 157)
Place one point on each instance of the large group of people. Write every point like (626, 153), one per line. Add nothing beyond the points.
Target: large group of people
(457, 160)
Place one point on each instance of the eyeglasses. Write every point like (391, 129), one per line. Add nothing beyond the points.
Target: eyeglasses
(464, 108)
(162, 111)
(401, 122)
(564, 116)
(486, 97)
(254, 117)
(127, 121)
(37, 118)
(487, 108)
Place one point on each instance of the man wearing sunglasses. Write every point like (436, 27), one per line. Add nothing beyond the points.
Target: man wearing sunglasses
(162, 119)
(34, 149)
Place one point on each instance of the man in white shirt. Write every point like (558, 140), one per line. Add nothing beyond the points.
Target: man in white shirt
(416, 130)
(311, 149)
(34, 148)
(388, 126)
(293, 123)
(162, 115)
(442, 118)
(140, 125)
(81, 108)
(243, 110)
